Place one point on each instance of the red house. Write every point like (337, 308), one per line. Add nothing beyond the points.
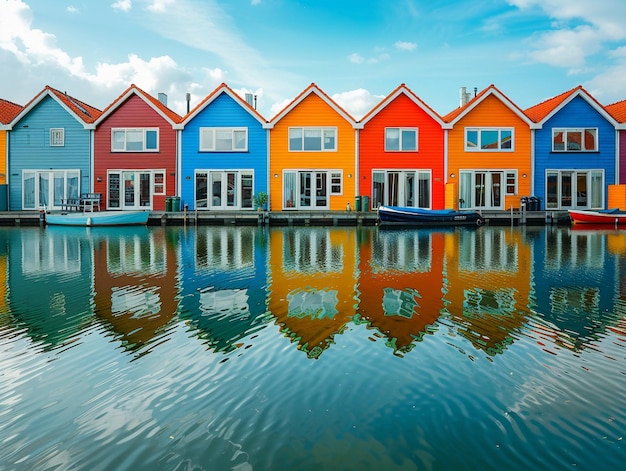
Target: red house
(135, 152)
(401, 149)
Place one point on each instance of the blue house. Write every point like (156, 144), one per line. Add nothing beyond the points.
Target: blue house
(224, 153)
(50, 151)
(575, 151)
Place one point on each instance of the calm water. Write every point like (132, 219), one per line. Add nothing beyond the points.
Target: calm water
(312, 349)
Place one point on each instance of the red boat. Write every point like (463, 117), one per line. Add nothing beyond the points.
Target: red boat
(603, 216)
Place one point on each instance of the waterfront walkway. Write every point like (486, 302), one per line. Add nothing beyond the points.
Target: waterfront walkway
(296, 218)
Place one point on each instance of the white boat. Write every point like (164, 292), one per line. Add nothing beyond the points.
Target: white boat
(104, 218)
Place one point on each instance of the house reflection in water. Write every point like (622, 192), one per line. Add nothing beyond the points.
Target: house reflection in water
(488, 285)
(312, 284)
(223, 275)
(400, 284)
(135, 283)
(57, 261)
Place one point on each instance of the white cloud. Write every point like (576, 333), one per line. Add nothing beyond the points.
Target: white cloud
(566, 48)
(405, 46)
(71, 9)
(357, 102)
(255, 2)
(123, 5)
(356, 58)
(160, 6)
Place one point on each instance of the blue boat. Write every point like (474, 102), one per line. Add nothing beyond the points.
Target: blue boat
(407, 216)
(104, 218)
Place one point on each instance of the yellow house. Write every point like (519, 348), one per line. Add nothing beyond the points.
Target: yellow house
(488, 158)
(8, 111)
(313, 155)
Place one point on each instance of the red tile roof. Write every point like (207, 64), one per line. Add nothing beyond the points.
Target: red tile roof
(8, 111)
(617, 110)
(402, 88)
(85, 112)
(171, 115)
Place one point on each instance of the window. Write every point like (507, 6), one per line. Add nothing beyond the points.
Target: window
(511, 183)
(335, 183)
(135, 140)
(401, 139)
(575, 140)
(313, 139)
(159, 183)
(488, 139)
(223, 139)
(57, 137)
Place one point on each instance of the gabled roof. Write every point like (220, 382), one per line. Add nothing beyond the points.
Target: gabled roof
(167, 114)
(402, 89)
(83, 112)
(542, 112)
(617, 111)
(8, 111)
(454, 116)
(312, 90)
(223, 88)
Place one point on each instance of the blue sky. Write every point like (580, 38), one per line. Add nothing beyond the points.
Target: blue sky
(356, 51)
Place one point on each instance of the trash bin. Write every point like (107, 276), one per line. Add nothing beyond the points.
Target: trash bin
(366, 203)
(532, 203)
(4, 197)
(357, 203)
(175, 203)
(524, 203)
(168, 204)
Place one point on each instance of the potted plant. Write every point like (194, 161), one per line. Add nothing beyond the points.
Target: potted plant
(260, 200)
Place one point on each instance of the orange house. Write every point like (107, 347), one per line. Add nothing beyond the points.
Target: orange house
(8, 111)
(313, 154)
(489, 158)
(401, 148)
(312, 273)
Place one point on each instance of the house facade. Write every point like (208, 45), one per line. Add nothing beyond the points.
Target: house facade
(489, 153)
(223, 159)
(135, 152)
(8, 111)
(575, 151)
(401, 148)
(50, 151)
(618, 112)
(313, 155)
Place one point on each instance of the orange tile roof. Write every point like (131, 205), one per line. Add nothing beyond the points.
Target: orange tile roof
(617, 110)
(490, 89)
(85, 112)
(8, 111)
(221, 88)
(312, 88)
(404, 89)
(539, 111)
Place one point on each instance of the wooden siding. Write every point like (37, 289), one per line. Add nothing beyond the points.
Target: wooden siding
(313, 111)
(576, 114)
(136, 113)
(29, 147)
(402, 112)
(223, 112)
(493, 113)
(622, 157)
(3, 159)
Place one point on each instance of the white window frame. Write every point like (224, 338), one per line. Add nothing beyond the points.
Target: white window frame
(336, 182)
(328, 139)
(401, 132)
(582, 131)
(479, 136)
(57, 137)
(126, 131)
(510, 186)
(208, 139)
(158, 181)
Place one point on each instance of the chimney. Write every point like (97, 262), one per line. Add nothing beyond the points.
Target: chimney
(162, 98)
(249, 99)
(188, 98)
(463, 96)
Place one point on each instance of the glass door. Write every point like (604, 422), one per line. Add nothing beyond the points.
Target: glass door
(129, 190)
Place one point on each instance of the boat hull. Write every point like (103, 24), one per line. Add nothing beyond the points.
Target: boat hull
(105, 218)
(603, 217)
(406, 216)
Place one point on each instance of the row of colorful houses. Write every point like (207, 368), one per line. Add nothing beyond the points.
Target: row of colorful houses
(488, 154)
